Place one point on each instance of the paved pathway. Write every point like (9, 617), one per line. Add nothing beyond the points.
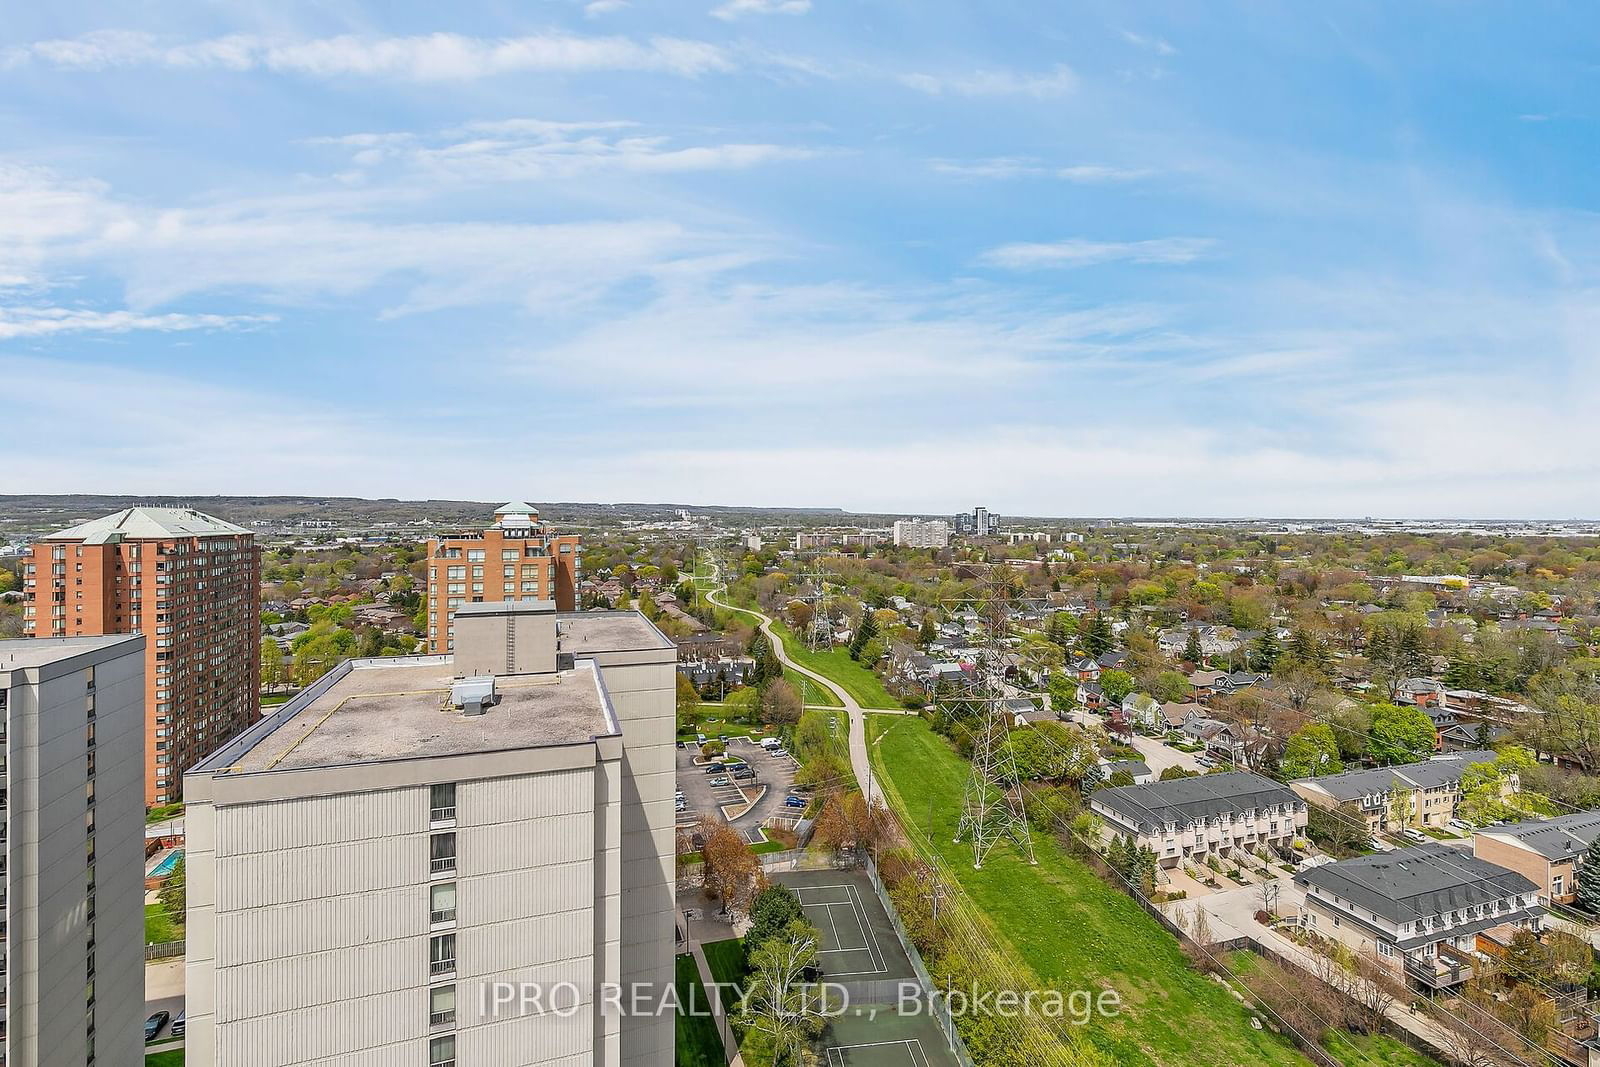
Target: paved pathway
(858, 719)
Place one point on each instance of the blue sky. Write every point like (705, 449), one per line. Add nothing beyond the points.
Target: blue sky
(1057, 258)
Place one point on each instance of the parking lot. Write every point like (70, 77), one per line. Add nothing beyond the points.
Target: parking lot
(750, 802)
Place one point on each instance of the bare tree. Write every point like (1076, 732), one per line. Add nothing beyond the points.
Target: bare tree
(1374, 987)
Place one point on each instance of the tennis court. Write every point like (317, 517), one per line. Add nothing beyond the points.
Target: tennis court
(884, 1039)
(858, 941)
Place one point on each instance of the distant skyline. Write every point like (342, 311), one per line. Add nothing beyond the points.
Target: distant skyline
(1058, 258)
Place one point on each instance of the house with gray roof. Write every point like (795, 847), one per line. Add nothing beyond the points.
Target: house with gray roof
(1550, 852)
(1419, 910)
(1193, 818)
(1427, 793)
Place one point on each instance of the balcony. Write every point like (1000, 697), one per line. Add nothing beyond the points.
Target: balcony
(1436, 973)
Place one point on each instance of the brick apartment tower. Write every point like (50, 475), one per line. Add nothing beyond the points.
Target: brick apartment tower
(191, 584)
(516, 558)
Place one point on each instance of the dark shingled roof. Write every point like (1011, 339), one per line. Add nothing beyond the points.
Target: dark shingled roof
(1430, 773)
(1557, 838)
(1414, 882)
(1183, 800)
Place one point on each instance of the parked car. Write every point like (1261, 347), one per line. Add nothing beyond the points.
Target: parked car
(776, 752)
(680, 805)
(1414, 835)
(720, 780)
(744, 774)
(153, 1025)
(714, 768)
(178, 1024)
(794, 802)
(771, 742)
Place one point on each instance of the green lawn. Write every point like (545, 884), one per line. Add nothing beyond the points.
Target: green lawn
(699, 1044)
(810, 692)
(163, 812)
(835, 664)
(158, 927)
(1072, 929)
(726, 960)
(1352, 1050)
(170, 1058)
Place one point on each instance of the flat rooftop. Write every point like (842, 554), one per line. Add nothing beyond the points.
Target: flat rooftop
(384, 710)
(607, 631)
(25, 652)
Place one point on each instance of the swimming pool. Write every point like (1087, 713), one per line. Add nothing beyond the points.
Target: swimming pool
(168, 862)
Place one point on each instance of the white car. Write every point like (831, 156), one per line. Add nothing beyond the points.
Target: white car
(720, 780)
(1414, 835)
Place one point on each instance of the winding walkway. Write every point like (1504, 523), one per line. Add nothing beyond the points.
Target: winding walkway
(852, 707)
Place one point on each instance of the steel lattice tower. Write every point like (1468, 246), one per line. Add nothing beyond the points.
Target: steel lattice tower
(991, 805)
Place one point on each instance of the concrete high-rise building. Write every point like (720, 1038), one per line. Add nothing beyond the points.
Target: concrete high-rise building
(188, 582)
(366, 864)
(516, 558)
(72, 711)
(922, 533)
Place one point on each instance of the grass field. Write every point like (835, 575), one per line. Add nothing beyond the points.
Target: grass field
(835, 664)
(158, 927)
(699, 1044)
(726, 960)
(1072, 929)
(170, 1058)
(810, 692)
(1352, 1050)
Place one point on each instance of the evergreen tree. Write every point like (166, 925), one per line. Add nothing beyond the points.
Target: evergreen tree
(1589, 880)
(928, 633)
(1192, 650)
(1380, 652)
(864, 633)
(1268, 649)
(1464, 672)
(1097, 638)
(1410, 657)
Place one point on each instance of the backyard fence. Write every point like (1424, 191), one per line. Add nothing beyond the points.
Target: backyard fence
(936, 1007)
(163, 950)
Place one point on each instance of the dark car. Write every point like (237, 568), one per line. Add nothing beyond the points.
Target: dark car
(153, 1025)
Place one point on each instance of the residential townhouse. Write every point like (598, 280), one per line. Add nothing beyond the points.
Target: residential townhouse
(1422, 911)
(1548, 852)
(1194, 818)
(1427, 793)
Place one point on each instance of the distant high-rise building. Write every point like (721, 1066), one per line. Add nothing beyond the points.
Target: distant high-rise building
(516, 558)
(977, 523)
(366, 864)
(922, 533)
(72, 711)
(191, 584)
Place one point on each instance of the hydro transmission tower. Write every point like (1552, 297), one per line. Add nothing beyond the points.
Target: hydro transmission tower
(991, 805)
(818, 631)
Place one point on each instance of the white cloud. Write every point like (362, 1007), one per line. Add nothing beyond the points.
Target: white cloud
(735, 8)
(21, 322)
(317, 245)
(1154, 44)
(533, 149)
(430, 57)
(1058, 81)
(1001, 167)
(1096, 174)
(1077, 252)
(596, 8)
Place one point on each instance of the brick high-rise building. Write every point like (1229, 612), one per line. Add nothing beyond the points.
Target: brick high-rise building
(516, 558)
(191, 584)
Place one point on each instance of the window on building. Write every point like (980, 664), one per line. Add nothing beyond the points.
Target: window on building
(442, 801)
(442, 902)
(442, 1051)
(441, 1005)
(442, 954)
(442, 853)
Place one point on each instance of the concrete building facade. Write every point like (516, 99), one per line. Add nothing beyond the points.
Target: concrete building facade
(517, 557)
(191, 584)
(922, 533)
(72, 711)
(370, 866)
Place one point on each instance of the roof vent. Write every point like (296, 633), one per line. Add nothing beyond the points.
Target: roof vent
(473, 696)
